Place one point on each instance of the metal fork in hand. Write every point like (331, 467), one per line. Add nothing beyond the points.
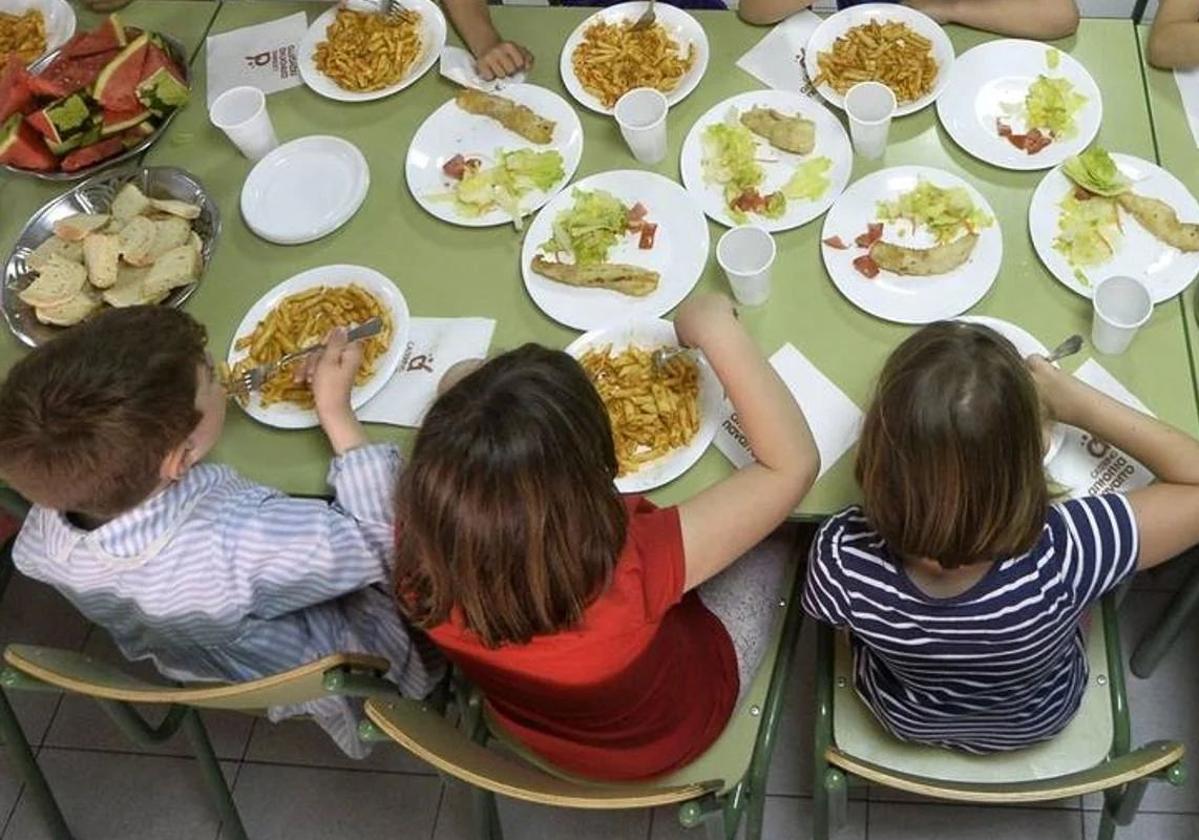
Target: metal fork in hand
(647, 18)
(663, 355)
(1067, 348)
(254, 378)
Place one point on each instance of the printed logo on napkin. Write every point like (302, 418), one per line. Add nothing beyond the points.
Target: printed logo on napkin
(833, 418)
(262, 56)
(1088, 466)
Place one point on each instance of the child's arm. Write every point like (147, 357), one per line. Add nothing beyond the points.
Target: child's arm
(726, 520)
(494, 57)
(1167, 512)
(764, 12)
(1040, 19)
(1174, 39)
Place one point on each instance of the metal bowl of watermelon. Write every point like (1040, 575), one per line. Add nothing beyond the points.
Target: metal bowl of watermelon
(95, 196)
(91, 135)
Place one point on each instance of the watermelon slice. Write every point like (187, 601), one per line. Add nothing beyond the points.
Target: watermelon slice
(23, 147)
(15, 95)
(94, 153)
(157, 58)
(62, 121)
(107, 37)
(130, 137)
(116, 86)
(114, 122)
(67, 75)
(162, 92)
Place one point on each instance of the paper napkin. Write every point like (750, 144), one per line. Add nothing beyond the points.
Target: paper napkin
(833, 418)
(777, 60)
(458, 66)
(1087, 466)
(262, 56)
(434, 346)
(1188, 86)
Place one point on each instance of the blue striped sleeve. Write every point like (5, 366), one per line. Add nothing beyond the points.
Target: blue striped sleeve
(1101, 544)
(825, 597)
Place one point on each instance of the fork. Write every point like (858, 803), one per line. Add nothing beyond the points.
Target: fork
(647, 18)
(662, 356)
(1067, 348)
(254, 378)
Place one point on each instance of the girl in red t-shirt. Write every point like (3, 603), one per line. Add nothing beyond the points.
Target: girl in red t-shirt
(599, 628)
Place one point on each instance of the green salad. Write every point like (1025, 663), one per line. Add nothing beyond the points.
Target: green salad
(948, 212)
(1096, 172)
(1088, 232)
(1052, 103)
(515, 175)
(588, 230)
(809, 181)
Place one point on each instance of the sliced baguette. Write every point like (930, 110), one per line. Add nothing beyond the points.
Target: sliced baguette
(182, 209)
(72, 251)
(169, 233)
(101, 253)
(137, 241)
(76, 228)
(175, 268)
(70, 312)
(130, 202)
(130, 288)
(57, 282)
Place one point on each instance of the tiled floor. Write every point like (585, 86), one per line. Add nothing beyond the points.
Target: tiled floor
(290, 783)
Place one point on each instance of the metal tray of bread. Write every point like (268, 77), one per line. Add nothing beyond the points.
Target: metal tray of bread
(95, 196)
(179, 54)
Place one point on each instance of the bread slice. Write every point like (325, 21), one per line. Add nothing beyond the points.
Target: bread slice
(169, 233)
(175, 268)
(137, 241)
(72, 251)
(70, 312)
(101, 253)
(57, 282)
(197, 243)
(130, 202)
(182, 209)
(130, 288)
(76, 228)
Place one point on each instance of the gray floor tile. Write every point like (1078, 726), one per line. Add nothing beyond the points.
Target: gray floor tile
(81, 723)
(10, 788)
(308, 803)
(523, 821)
(303, 742)
(885, 794)
(894, 821)
(109, 795)
(1151, 827)
(785, 818)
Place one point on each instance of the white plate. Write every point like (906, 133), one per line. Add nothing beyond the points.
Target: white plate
(305, 189)
(289, 415)
(679, 255)
(1165, 269)
(999, 73)
(831, 142)
(652, 334)
(1026, 345)
(680, 25)
(57, 14)
(840, 23)
(892, 297)
(432, 41)
(449, 131)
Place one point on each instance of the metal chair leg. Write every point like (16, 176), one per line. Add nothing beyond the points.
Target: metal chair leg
(1156, 643)
(755, 809)
(25, 766)
(486, 815)
(230, 819)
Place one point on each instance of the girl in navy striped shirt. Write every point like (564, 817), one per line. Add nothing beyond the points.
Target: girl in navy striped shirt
(961, 582)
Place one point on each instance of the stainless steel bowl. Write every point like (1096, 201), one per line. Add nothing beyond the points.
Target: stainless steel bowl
(95, 196)
(177, 52)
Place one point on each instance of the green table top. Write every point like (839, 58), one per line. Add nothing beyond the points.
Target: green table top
(450, 271)
(1177, 152)
(20, 197)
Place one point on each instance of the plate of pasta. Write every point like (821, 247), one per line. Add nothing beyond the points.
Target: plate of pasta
(604, 57)
(298, 313)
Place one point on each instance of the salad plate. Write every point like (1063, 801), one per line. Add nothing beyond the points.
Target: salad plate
(912, 244)
(1020, 105)
(723, 160)
(1081, 242)
(604, 202)
(450, 132)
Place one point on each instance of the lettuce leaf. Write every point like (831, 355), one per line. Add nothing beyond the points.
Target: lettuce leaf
(947, 212)
(588, 230)
(1095, 171)
(1052, 104)
(809, 181)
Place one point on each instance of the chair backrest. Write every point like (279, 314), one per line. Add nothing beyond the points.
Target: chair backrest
(423, 731)
(83, 674)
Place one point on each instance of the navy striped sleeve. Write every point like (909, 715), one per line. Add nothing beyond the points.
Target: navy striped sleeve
(825, 597)
(1101, 544)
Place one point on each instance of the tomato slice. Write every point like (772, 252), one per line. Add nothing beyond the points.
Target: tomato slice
(835, 242)
(637, 212)
(649, 230)
(874, 232)
(866, 266)
(1035, 141)
(455, 167)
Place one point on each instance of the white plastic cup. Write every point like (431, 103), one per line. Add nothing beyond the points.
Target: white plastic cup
(746, 254)
(1121, 307)
(641, 115)
(870, 107)
(240, 112)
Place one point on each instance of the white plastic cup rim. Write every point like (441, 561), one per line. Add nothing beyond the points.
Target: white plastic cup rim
(1099, 302)
(757, 235)
(237, 107)
(628, 108)
(880, 95)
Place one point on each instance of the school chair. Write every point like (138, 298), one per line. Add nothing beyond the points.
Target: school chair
(720, 788)
(1091, 755)
(1155, 644)
(52, 669)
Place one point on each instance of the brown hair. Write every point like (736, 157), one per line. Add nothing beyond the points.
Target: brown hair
(86, 419)
(507, 510)
(950, 459)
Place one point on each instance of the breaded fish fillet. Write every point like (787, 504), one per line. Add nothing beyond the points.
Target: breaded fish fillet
(626, 279)
(923, 262)
(1161, 220)
(511, 115)
(791, 134)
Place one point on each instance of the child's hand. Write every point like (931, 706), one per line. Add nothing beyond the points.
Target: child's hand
(503, 60)
(330, 374)
(1057, 389)
(698, 316)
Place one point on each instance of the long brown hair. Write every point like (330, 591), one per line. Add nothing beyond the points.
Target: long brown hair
(950, 459)
(507, 510)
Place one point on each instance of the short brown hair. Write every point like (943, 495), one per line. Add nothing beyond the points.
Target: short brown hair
(86, 419)
(950, 459)
(507, 510)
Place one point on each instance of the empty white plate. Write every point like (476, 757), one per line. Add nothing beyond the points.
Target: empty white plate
(305, 189)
